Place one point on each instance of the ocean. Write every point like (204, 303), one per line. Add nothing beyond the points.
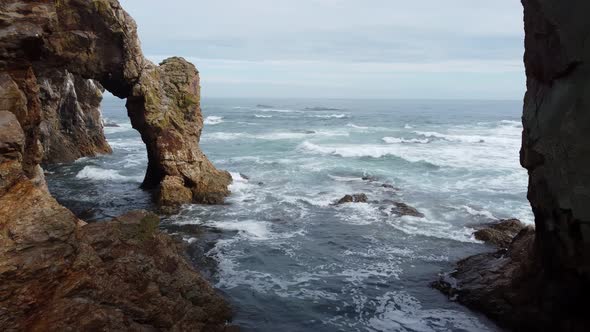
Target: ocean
(282, 253)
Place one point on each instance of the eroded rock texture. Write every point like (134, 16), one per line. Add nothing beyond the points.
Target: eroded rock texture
(542, 282)
(71, 122)
(57, 272)
(98, 40)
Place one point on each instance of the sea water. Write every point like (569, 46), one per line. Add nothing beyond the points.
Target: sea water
(283, 254)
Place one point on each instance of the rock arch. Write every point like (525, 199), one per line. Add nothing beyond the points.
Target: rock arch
(98, 40)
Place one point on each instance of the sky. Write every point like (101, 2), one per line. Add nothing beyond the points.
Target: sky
(392, 49)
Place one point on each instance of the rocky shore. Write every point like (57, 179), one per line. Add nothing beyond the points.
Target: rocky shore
(56, 271)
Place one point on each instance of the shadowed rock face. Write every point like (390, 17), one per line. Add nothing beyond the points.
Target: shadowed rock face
(542, 281)
(71, 123)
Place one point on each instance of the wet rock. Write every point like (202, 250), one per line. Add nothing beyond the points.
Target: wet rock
(503, 284)
(403, 209)
(389, 186)
(356, 198)
(369, 178)
(500, 233)
(71, 123)
(244, 176)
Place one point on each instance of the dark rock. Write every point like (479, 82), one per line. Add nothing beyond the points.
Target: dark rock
(244, 176)
(369, 178)
(403, 209)
(542, 282)
(500, 233)
(389, 186)
(356, 198)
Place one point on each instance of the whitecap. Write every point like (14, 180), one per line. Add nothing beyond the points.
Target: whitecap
(330, 116)
(262, 116)
(213, 120)
(101, 174)
(395, 140)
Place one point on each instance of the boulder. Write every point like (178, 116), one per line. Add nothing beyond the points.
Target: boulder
(500, 233)
(355, 198)
(403, 209)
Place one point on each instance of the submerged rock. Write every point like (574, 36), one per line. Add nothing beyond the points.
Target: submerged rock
(500, 233)
(356, 198)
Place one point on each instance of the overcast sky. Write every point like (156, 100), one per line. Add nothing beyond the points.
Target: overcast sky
(341, 48)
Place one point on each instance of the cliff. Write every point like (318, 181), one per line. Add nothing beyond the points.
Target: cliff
(71, 122)
(542, 281)
(57, 272)
(98, 40)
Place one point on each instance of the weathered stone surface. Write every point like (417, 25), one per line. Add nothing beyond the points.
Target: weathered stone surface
(98, 40)
(501, 284)
(56, 272)
(403, 209)
(71, 122)
(165, 109)
(117, 275)
(500, 233)
(356, 198)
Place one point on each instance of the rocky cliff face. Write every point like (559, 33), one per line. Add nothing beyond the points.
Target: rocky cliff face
(98, 40)
(71, 123)
(56, 272)
(542, 282)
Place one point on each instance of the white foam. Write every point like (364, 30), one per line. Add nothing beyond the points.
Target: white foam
(213, 120)
(478, 213)
(100, 174)
(399, 311)
(252, 229)
(330, 116)
(239, 183)
(396, 140)
(407, 126)
(352, 125)
(262, 116)
(273, 136)
(277, 110)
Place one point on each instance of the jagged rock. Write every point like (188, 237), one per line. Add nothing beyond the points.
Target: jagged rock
(403, 209)
(165, 109)
(356, 198)
(71, 124)
(500, 233)
(98, 40)
(56, 272)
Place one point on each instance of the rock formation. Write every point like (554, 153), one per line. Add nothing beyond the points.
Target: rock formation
(57, 272)
(98, 40)
(71, 122)
(499, 233)
(542, 282)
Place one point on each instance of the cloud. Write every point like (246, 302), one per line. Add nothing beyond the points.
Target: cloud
(324, 42)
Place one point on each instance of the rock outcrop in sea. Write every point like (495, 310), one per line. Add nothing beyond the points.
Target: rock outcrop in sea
(542, 281)
(56, 271)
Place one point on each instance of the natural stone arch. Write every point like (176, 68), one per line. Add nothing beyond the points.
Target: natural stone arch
(98, 40)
